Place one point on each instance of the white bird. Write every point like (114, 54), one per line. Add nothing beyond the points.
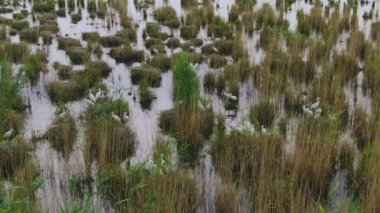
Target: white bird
(230, 96)
(200, 105)
(125, 117)
(9, 134)
(263, 130)
(307, 111)
(115, 117)
(215, 49)
(88, 101)
(155, 51)
(62, 115)
(98, 94)
(315, 105)
(91, 96)
(318, 113)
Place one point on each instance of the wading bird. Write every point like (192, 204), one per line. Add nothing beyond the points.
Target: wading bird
(9, 134)
(315, 105)
(125, 117)
(115, 117)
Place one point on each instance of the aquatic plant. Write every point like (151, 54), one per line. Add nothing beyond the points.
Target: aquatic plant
(29, 34)
(167, 16)
(61, 134)
(145, 72)
(107, 141)
(186, 86)
(111, 41)
(146, 96)
(35, 64)
(10, 87)
(142, 189)
(127, 54)
(263, 113)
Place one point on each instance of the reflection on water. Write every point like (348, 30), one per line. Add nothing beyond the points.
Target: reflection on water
(57, 171)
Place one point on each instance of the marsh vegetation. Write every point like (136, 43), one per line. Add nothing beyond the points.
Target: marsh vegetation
(189, 106)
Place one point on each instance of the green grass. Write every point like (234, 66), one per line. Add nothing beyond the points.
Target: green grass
(146, 95)
(10, 97)
(107, 141)
(141, 189)
(62, 133)
(186, 85)
(263, 113)
(35, 64)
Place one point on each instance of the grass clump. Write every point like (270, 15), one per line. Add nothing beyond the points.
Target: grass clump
(220, 29)
(167, 16)
(148, 189)
(189, 32)
(227, 199)
(173, 43)
(10, 99)
(265, 16)
(367, 178)
(224, 47)
(93, 73)
(19, 25)
(35, 64)
(67, 43)
(162, 62)
(43, 6)
(107, 141)
(90, 36)
(62, 92)
(186, 122)
(200, 16)
(146, 95)
(61, 134)
(13, 156)
(362, 130)
(145, 72)
(64, 72)
(29, 34)
(217, 61)
(263, 113)
(126, 55)
(127, 34)
(75, 18)
(153, 30)
(111, 41)
(78, 55)
(210, 81)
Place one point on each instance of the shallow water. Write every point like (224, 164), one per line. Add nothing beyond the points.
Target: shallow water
(57, 171)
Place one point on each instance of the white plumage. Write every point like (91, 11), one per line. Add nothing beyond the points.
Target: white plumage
(125, 117)
(115, 117)
(263, 130)
(91, 96)
(230, 96)
(62, 115)
(307, 111)
(9, 134)
(98, 94)
(88, 101)
(315, 105)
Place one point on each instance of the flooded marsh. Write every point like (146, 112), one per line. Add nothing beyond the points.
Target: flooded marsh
(189, 106)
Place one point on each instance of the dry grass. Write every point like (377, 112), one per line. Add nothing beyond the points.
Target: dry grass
(107, 140)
